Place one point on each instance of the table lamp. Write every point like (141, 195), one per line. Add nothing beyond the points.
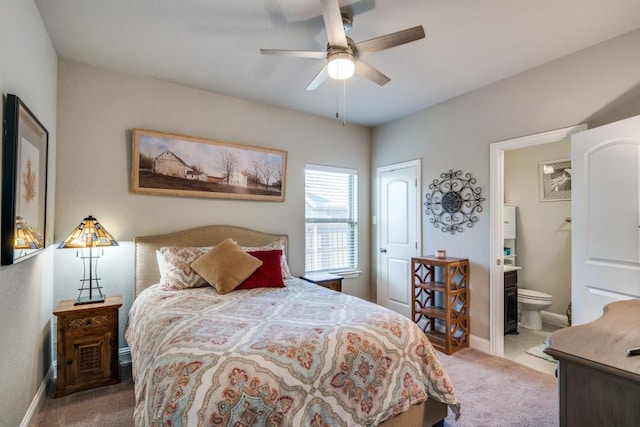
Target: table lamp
(27, 238)
(89, 234)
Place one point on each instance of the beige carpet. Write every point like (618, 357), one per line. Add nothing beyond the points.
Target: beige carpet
(494, 392)
(110, 406)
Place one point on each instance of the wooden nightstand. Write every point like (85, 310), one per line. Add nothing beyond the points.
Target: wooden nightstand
(327, 280)
(87, 345)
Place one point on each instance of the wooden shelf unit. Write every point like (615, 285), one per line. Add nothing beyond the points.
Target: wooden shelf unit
(440, 301)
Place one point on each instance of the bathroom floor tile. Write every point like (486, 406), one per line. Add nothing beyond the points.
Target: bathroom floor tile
(516, 346)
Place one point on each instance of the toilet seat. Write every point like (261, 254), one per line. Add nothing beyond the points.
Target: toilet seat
(534, 295)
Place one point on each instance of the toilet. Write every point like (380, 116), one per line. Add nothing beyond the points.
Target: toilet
(531, 303)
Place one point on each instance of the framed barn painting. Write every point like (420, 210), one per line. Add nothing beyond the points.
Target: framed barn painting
(24, 183)
(179, 165)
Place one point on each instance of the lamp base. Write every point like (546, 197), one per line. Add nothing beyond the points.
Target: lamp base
(89, 300)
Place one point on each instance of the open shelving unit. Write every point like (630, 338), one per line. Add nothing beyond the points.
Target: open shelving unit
(440, 301)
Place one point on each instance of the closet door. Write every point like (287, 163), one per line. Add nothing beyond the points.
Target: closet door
(605, 217)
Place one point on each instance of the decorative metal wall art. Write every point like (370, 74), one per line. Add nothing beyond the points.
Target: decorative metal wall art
(454, 201)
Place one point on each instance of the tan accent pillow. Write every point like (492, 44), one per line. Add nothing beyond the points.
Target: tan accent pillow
(226, 266)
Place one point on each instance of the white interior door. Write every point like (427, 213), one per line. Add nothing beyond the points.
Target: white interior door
(399, 234)
(605, 213)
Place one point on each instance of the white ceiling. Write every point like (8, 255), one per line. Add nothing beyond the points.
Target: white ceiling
(214, 45)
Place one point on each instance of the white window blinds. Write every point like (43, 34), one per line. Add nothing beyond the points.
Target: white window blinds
(331, 219)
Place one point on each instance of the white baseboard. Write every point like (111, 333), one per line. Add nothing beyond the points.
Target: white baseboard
(554, 319)
(37, 399)
(124, 354)
(480, 344)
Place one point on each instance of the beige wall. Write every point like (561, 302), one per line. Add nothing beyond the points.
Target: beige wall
(594, 86)
(97, 110)
(28, 69)
(543, 243)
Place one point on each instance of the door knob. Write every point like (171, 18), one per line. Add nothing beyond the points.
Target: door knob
(383, 251)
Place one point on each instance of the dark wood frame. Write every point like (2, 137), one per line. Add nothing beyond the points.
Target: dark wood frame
(199, 161)
(21, 127)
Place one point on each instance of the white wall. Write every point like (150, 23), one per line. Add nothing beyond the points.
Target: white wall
(97, 110)
(28, 69)
(543, 244)
(596, 85)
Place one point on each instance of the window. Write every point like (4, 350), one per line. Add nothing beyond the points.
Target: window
(331, 219)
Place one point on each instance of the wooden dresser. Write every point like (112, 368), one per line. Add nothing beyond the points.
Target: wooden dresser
(87, 348)
(599, 384)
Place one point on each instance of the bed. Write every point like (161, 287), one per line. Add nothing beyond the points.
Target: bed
(296, 355)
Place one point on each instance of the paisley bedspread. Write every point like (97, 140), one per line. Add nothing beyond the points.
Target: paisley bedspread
(300, 355)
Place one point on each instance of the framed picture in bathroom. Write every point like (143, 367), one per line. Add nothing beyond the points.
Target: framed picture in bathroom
(555, 180)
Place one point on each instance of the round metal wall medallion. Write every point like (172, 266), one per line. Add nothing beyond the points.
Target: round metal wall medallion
(454, 201)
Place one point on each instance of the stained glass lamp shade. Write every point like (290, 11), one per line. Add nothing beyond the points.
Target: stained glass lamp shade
(26, 237)
(89, 234)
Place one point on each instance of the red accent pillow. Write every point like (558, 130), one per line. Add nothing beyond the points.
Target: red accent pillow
(269, 274)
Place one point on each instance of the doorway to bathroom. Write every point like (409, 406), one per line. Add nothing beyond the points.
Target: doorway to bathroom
(515, 179)
(537, 255)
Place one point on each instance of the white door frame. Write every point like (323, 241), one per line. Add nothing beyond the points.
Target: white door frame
(496, 253)
(417, 164)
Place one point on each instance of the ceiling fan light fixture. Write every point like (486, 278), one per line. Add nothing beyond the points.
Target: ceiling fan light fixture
(340, 65)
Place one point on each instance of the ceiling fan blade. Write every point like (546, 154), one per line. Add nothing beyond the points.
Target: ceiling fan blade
(295, 53)
(318, 79)
(333, 23)
(365, 70)
(390, 40)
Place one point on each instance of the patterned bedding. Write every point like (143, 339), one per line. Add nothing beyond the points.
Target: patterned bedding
(300, 355)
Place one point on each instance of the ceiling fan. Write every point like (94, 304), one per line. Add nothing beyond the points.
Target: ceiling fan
(343, 55)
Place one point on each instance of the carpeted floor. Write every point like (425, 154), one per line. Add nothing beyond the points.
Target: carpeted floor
(494, 392)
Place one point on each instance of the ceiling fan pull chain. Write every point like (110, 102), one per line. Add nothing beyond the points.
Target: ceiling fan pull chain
(344, 103)
(337, 102)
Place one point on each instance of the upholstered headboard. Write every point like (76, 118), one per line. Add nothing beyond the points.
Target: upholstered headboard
(147, 272)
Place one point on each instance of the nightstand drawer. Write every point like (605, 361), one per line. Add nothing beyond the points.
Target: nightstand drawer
(326, 280)
(335, 285)
(80, 321)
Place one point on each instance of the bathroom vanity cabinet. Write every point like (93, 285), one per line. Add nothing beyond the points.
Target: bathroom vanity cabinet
(511, 302)
(440, 301)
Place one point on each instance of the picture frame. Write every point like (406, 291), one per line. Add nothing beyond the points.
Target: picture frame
(555, 180)
(25, 155)
(179, 165)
